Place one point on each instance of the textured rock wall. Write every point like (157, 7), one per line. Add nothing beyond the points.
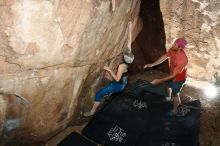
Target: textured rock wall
(47, 51)
(199, 22)
(151, 39)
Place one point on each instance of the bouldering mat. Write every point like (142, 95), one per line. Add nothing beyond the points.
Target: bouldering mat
(75, 139)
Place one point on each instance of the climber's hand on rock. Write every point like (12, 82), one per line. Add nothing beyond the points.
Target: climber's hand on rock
(129, 24)
(106, 68)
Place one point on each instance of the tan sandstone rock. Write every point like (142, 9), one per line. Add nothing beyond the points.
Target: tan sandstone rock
(48, 50)
(198, 21)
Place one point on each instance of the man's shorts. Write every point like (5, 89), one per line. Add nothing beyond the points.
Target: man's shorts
(175, 86)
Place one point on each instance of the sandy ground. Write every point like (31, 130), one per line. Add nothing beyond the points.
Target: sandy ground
(210, 117)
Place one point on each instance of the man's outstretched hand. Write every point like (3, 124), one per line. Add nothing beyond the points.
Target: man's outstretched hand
(156, 81)
(148, 65)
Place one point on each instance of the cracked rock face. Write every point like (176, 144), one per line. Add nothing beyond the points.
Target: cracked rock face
(199, 22)
(47, 51)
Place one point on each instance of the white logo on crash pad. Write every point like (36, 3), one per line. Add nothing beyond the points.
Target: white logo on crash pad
(116, 134)
(182, 111)
(170, 144)
(139, 104)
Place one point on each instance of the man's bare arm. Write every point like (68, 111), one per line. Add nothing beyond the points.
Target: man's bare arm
(157, 62)
(167, 78)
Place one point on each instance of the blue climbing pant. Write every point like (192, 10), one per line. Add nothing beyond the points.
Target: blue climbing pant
(113, 87)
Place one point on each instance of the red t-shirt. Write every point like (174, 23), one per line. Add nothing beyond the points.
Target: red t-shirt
(178, 64)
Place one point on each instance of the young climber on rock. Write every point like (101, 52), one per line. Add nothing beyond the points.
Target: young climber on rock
(120, 77)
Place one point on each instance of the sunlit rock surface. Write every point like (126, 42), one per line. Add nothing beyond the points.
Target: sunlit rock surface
(48, 52)
(199, 22)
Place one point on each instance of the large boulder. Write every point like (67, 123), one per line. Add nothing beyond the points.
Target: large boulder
(48, 50)
(199, 22)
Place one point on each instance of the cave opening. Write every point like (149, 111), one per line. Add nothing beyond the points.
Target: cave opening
(150, 43)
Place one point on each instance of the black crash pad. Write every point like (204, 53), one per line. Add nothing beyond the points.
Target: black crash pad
(127, 109)
(111, 132)
(171, 142)
(120, 122)
(148, 140)
(75, 139)
(142, 119)
(141, 86)
(184, 126)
